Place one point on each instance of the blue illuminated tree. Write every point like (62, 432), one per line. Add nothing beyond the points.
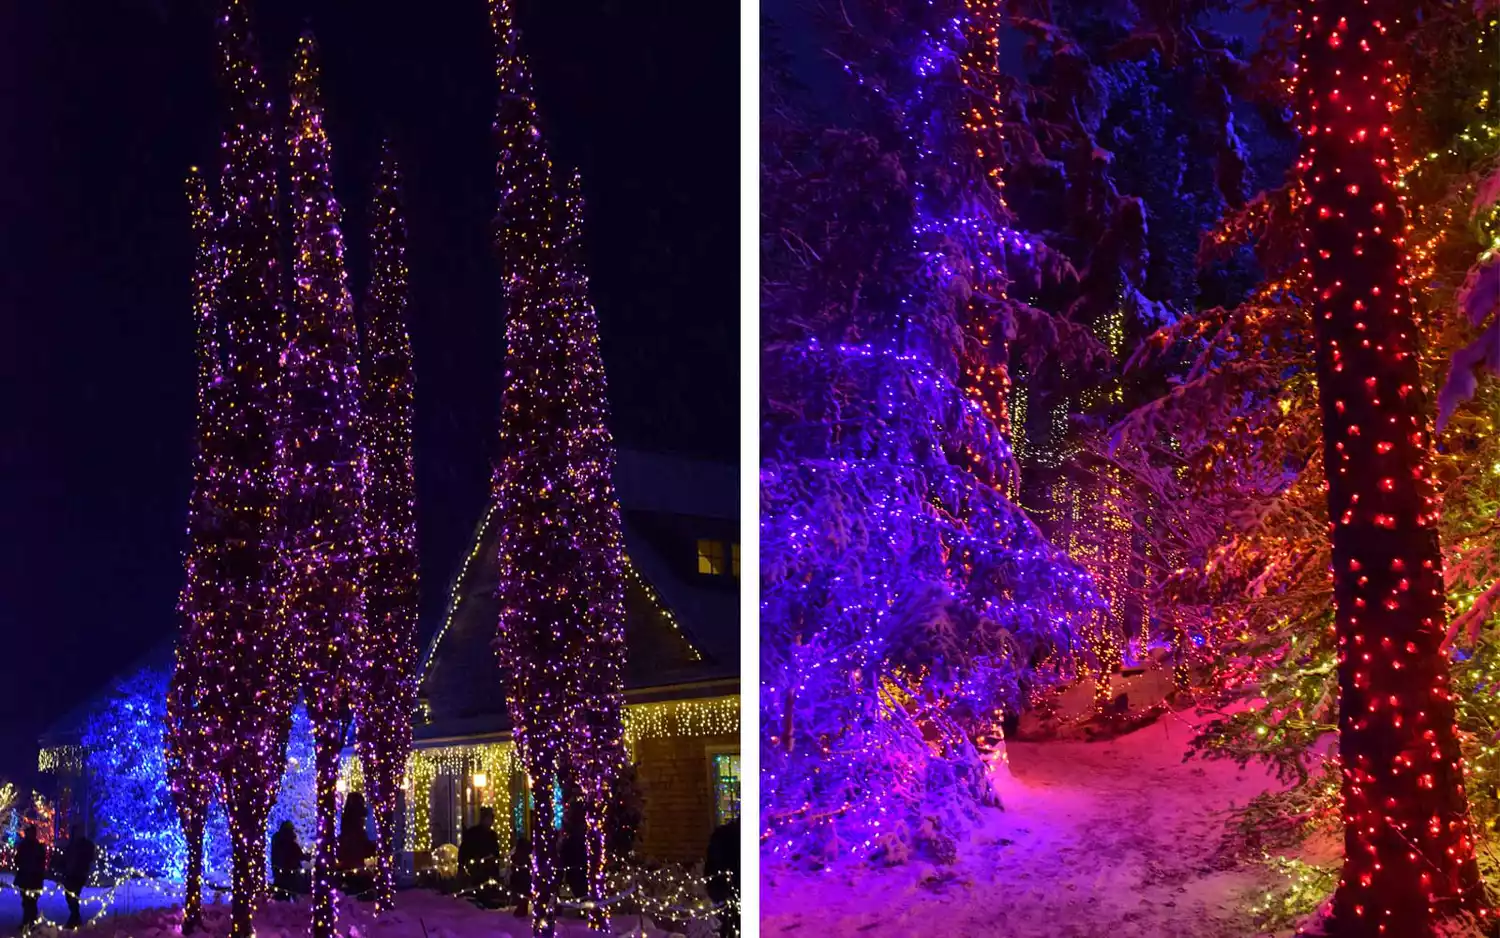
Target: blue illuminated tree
(907, 602)
(139, 826)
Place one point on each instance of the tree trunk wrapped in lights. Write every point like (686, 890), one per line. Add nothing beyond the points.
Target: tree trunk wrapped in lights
(387, 691)
(320, 467)
(190, 725)
(1409, 849)
(561, 630)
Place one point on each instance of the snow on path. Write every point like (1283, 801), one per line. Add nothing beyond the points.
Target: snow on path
(419, 913)
(1098, 840)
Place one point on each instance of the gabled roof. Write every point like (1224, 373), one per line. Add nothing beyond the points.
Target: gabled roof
(68, 729)
(676, 631)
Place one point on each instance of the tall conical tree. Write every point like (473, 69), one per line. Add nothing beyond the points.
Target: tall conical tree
(388, 687)
(320, 466)
(190, 725)
(1408, 846)
(560, 639)
(245, 651)
(600, 754)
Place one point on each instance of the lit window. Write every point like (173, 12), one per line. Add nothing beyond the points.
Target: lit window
(734, 560)
(711, 558)
(726, 787)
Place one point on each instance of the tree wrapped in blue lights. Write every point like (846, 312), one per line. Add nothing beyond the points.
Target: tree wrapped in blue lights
(907, 602)
(127, 758)
(137, 823)
(561, 590)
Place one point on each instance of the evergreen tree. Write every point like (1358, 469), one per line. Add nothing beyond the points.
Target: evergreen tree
(561, 628)
(242, 660)
(191, 726)
(907, 601)
(320, 467)
(387, 698)
(1257, 437)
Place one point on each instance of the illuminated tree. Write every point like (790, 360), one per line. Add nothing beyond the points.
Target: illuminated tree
(561, 630)
(1408, 844)
(190, 725)
(232, 671)
(387, 694)
(320, 467)
(1305, 411)
(906, 600)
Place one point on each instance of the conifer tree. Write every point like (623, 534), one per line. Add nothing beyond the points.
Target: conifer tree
(190, 726)
(561, 630)
(906, 600)
(243, 658)
(388, 687)
(320, 467)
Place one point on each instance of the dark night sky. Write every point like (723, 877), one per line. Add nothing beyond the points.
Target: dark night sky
(104, 105)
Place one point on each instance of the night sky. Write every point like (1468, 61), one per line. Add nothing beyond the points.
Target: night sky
(103, 107)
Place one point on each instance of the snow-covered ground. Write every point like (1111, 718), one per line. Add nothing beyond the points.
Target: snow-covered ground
(149, 911)
(1116, 839)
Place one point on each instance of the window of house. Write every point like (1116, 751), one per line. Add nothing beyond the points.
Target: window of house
(726, 776)
(734, 560)
(711, 557)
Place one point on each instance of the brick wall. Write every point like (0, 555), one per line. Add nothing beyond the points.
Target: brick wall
(677, 790)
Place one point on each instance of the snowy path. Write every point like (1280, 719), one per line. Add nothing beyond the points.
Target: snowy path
(1100, 840)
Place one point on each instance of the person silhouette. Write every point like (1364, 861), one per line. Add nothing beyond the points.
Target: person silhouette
(78, 862)
(31, 872)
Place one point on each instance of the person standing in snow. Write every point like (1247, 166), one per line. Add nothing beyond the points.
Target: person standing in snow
(287, 857)
(355, 846)
(31, 872)
(78, 862)
(721, 870)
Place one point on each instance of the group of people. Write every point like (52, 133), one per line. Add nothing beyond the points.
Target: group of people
(355, 848)
(32, 874)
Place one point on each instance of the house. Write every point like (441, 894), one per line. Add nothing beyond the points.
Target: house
(681, 531)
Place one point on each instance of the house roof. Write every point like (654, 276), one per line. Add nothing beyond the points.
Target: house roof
(682, 637)
(68, 729)
(678, 633)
